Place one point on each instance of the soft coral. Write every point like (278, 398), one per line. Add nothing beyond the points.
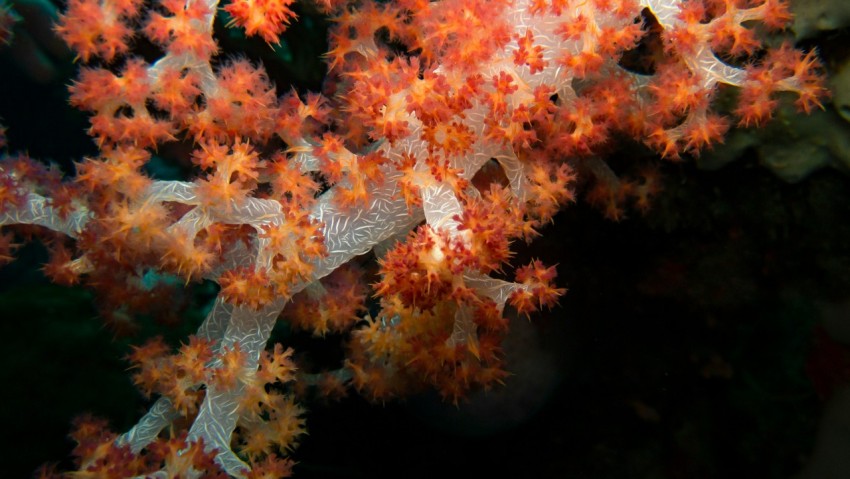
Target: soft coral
(95, 28)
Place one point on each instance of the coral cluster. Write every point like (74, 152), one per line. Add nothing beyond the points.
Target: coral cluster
(447, 131)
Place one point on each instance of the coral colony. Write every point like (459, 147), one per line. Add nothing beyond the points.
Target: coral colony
(447, 131)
